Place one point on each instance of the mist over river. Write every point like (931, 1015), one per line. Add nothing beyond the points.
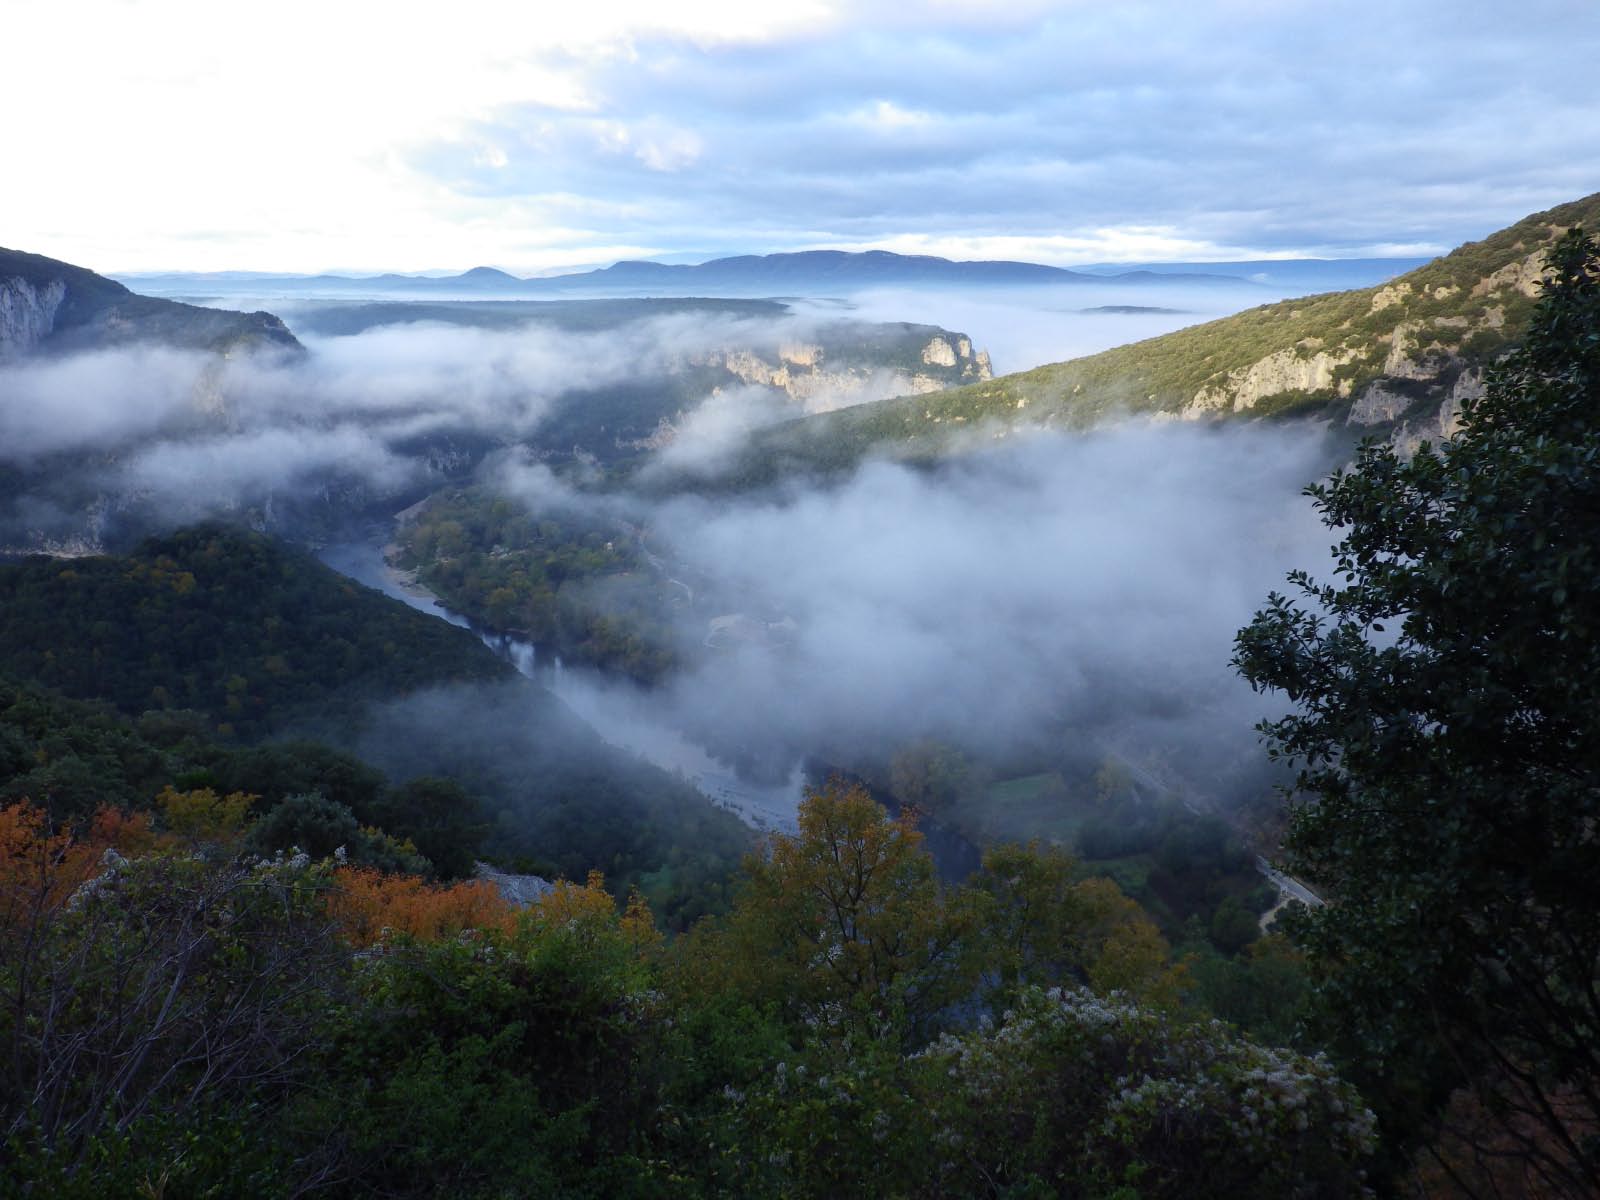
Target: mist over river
(636, 727)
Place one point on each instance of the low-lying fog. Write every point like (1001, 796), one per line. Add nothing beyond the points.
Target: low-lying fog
(189, 433)
(1020, 327)
(1041, 587)
(1023, 328)
(1048, 587)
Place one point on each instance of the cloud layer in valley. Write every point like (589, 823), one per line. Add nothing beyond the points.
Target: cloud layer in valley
(193, 434)
(1034, 589)
(387, 410)
(1050, 588)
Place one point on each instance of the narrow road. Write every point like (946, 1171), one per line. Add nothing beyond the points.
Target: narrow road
(657, 563)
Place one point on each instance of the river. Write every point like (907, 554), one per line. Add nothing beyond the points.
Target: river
(620, 714)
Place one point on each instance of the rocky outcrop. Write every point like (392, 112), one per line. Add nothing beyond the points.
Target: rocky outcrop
(27, 314)
(801, 354)
(1283, 371)
(1407, 380)
(1522, 277)
(1378, 405)
(520, 890)
(1437, 424)
(845, 367)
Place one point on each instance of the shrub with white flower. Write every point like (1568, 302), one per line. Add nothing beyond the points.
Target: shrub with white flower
(1088, 1095)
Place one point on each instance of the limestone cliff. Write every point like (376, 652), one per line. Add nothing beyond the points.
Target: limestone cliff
(1281, 371)
(1402, 358)
(849, 364)
(27, 314)
(48, 306)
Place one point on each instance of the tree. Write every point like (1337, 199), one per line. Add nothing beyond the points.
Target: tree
(846, 919)
(150, 1000)
(313, 824)
(1076, 1094)
(445, 821)
(932, 776)
(1039, 925)
(1447, 733)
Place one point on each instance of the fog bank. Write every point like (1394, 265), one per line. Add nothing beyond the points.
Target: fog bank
(1053, 587)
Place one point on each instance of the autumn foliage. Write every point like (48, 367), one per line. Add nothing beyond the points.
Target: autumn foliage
(40, 869)
(369, 905)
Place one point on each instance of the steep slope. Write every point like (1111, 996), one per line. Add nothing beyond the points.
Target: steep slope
(217, 637)
(1397, 358)
(47, 305)
(225, 622)
(803, 364)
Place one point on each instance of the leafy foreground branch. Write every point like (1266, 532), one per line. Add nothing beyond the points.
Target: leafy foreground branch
(1447, 726)
(181, 1019)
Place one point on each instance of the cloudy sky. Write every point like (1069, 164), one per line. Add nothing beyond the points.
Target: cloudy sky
(379, 134)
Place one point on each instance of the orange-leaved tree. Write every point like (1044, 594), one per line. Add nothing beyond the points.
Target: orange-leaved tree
(368, 905)
(41, 868)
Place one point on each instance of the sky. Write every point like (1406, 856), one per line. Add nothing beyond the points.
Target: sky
(362, 135)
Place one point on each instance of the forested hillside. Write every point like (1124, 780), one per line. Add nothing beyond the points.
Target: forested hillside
(243, 969)
(226, 622)
(229, 637)
(579, 586)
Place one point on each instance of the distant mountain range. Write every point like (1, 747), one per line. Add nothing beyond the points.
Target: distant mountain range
(811, 272)
(47, 305)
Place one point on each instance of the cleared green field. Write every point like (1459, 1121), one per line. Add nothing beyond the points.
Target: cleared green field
(1018, 810)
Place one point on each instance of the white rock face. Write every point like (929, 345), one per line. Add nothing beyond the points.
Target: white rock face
(799, 372)
(751, 368)
(1402, 362)
(801, 354)
(521, 890)
(1283, 371)
(1443, 423)
(1522, 276)
(940, 353)
(27, 314)
(1392, 294)
(1376, 405)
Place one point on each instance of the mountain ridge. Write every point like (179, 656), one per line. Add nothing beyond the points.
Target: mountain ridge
(50, 305)
(1395, 359)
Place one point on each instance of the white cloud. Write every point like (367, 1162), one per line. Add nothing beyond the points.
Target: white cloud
(280, 139)
(1029, 593)
(365, 134)
(887, 116)
(1132, 243)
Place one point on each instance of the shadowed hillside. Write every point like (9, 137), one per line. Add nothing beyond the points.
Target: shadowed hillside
(46, 305)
